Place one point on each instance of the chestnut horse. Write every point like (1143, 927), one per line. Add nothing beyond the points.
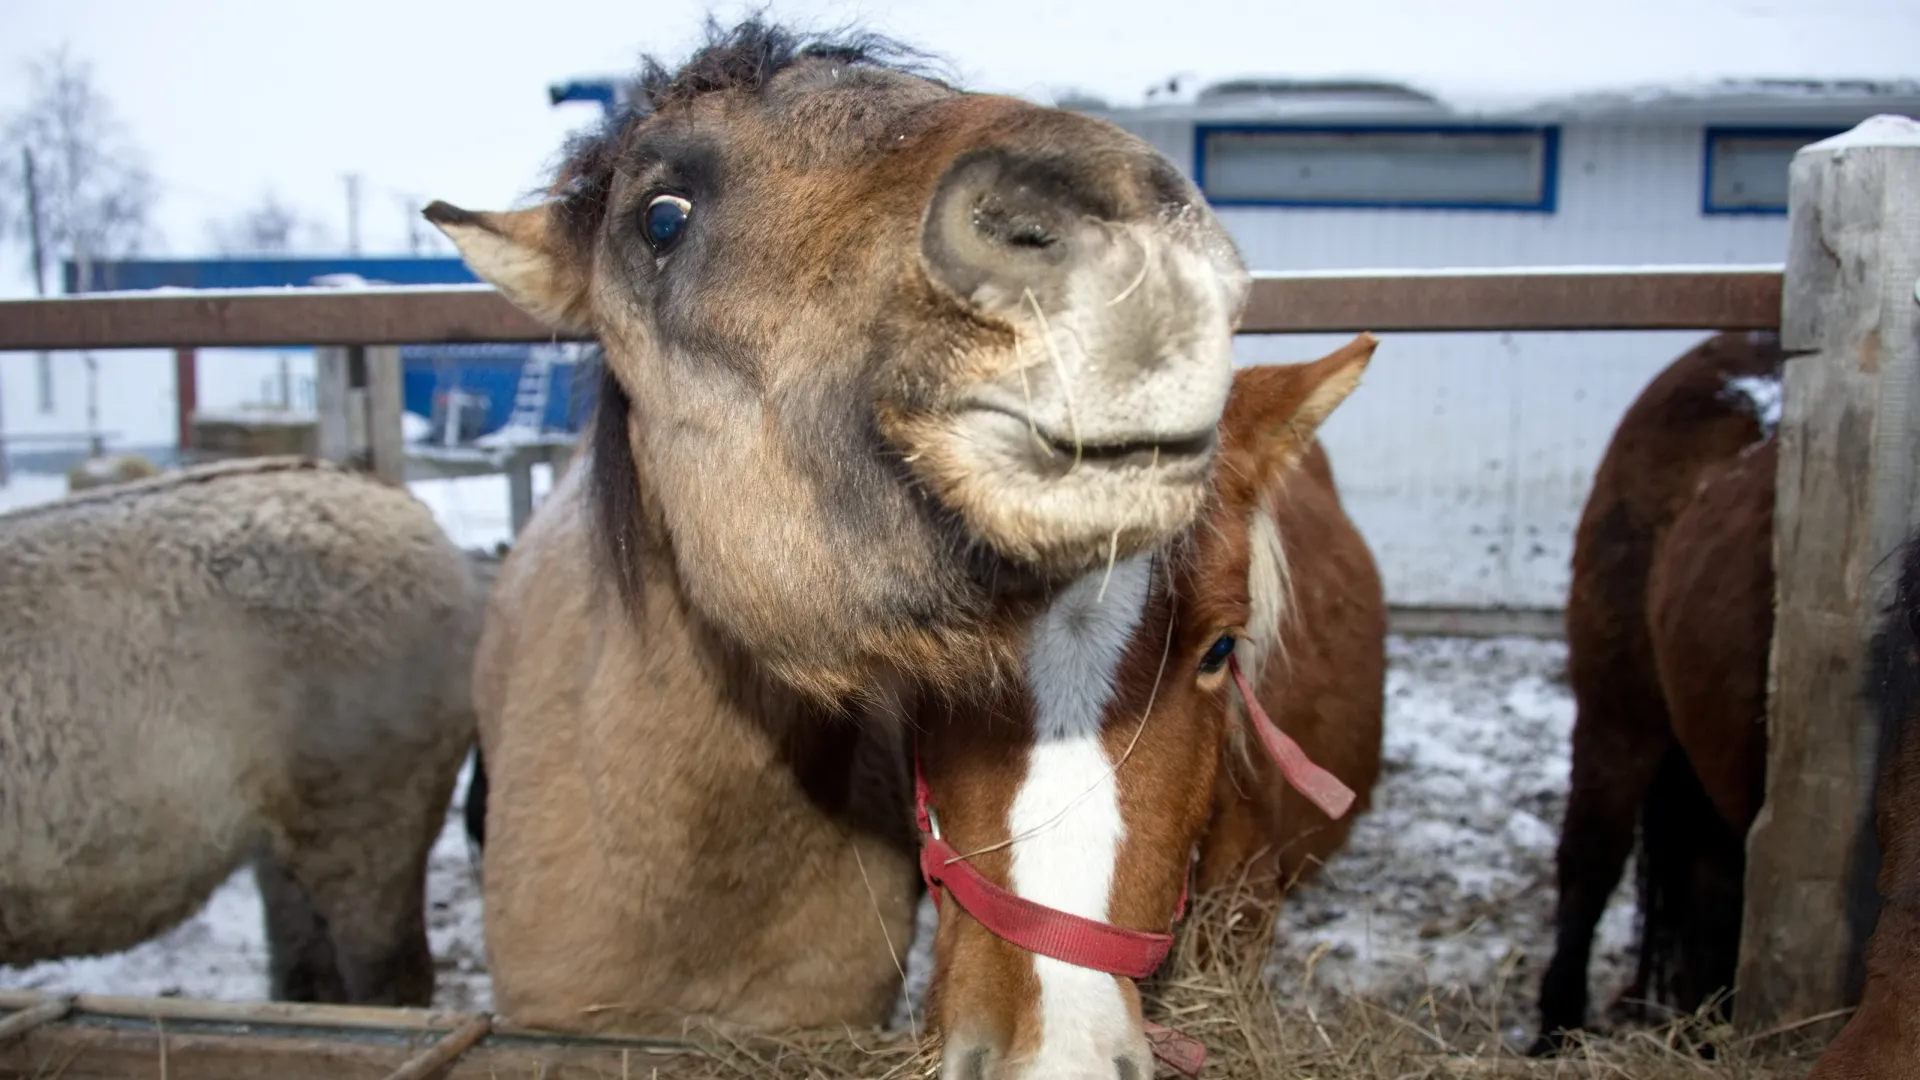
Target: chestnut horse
(1086, 790)
(885, 362)
(1669, 624)
(1882, 1039)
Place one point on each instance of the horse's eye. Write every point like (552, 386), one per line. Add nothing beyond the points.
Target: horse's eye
(664, 219)
(1216, 657)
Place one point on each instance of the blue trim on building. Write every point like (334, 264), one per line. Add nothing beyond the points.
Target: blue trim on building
(1715, 132)
(263, 273)
(1549, 170)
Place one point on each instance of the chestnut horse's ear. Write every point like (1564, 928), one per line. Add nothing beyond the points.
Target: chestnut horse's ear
(1275, 409)
(520, 253)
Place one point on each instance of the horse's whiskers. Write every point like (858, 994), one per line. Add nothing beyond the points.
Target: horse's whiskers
(1059, 372)
(1113, 551)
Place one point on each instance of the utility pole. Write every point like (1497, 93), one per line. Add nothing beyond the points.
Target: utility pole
(410, 210)
(353, 213)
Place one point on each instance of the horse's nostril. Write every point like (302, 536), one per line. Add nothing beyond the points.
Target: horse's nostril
(1125, 1068)
(977, 1060)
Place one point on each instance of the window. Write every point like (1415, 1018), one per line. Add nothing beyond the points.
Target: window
(1746, 170)
(1460, 168)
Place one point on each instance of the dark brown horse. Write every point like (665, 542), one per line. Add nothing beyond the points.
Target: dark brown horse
(1669, 623)
(1882, 1040)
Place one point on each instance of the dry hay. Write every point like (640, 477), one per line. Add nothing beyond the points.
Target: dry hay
(1213, 989)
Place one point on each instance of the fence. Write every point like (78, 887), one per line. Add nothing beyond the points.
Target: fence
(1850, 438)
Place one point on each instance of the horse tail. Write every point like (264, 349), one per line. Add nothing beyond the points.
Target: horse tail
(1691, 878)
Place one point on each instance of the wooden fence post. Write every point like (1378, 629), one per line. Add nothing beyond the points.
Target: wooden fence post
(386, 442)
(332, 403)
(1847, 497)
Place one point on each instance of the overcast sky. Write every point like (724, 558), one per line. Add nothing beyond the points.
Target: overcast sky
(442, 100)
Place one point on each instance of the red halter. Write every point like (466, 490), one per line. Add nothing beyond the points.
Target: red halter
(1100, 946)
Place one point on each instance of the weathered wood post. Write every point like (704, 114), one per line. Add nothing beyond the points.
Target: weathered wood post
(1848, 494)
(357, 393)
(386, 441)
(342, 410)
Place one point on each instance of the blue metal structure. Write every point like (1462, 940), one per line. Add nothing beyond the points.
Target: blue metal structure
(263, 273)
(486, 375)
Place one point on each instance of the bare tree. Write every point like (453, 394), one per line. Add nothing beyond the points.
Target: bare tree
(81, 190)
(92, 192)
(269, 227)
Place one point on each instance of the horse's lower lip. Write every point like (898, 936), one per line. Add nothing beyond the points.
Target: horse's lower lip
(1147, 449)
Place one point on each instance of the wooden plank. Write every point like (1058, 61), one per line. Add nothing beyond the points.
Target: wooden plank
(244, 1012)
(108, 1036)
(440, 1054)
(33, 1016)
(97, 1052)
(1650, 298)
(1849, 443)
(1602, 298)
(386, 439)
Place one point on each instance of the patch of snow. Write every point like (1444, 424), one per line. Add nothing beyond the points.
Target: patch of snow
(474, 510)
(1759, 395)
(414, 427)
(1448, 881)
(258, 417)
(509, 435)
(1886, 129)
(31, 489)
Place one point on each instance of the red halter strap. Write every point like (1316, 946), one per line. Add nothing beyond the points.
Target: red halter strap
(1047, 931)
(1100, 946)
(1321, 787)
(1036, 928)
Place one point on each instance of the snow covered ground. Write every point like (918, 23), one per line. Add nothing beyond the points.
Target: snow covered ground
(1446, 883)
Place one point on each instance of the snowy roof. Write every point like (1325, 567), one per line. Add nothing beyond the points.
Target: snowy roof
(1832, 102)
(1822, 102)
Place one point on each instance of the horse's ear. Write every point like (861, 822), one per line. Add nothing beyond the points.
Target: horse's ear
(521, 253)
(1275, 409)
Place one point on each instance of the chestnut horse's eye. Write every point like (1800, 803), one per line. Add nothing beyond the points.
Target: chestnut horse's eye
(664, 219)
(1216, 657)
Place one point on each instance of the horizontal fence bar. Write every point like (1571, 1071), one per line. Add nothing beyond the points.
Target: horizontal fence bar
(1577, 298)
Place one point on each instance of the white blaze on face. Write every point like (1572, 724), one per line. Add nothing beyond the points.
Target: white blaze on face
(1067, 811)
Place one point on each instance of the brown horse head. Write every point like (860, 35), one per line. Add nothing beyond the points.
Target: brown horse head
(1087, 788)
(879, 351)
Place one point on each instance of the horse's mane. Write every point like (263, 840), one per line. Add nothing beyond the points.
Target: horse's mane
(744, 57)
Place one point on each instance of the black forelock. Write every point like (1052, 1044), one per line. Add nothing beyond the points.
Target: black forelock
(743, 57)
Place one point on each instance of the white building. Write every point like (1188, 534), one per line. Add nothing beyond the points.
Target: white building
(1466, 458)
